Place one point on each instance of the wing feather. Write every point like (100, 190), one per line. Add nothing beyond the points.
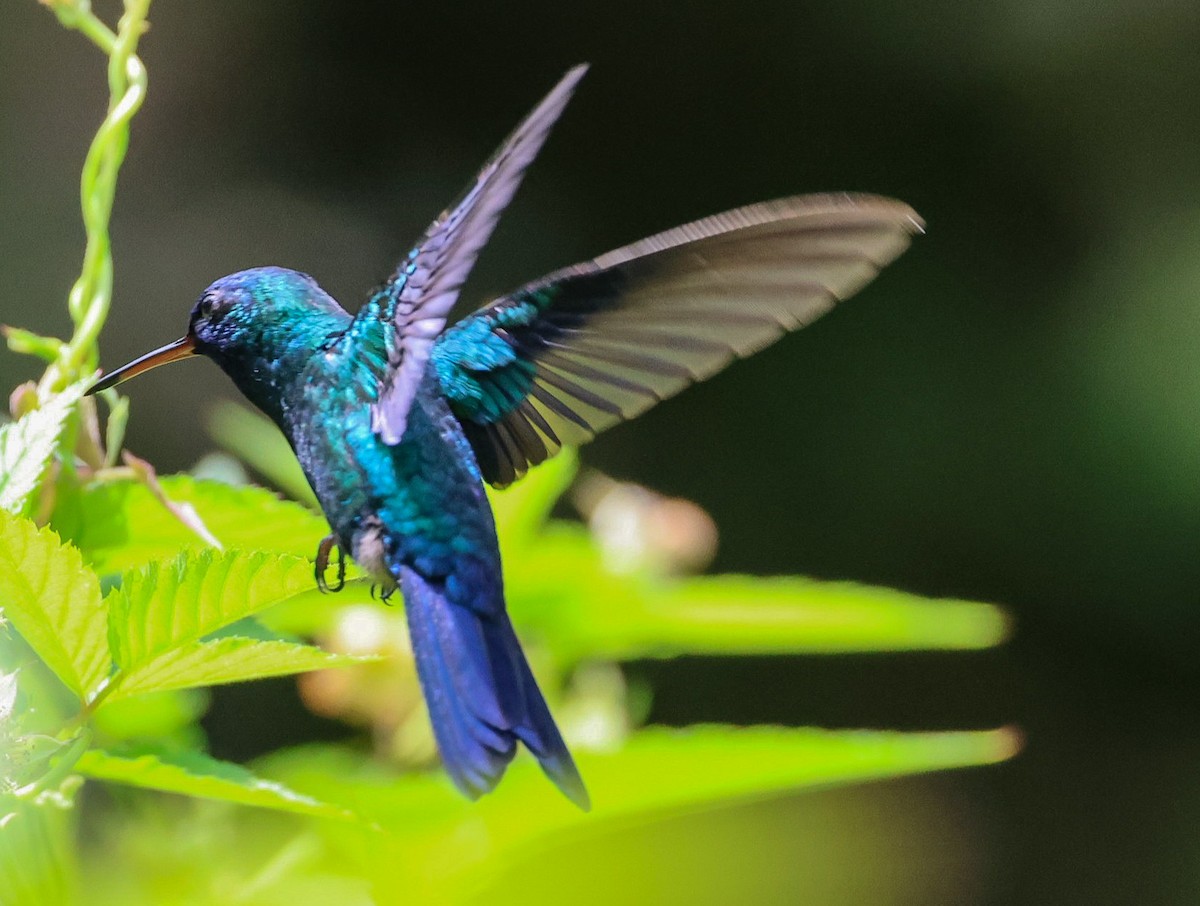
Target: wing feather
(416, 300)
(569, 355)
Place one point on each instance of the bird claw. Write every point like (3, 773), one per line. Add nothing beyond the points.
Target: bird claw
(321, 564)
(383, 595)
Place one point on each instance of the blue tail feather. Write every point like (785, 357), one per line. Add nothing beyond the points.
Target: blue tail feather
(481, 694)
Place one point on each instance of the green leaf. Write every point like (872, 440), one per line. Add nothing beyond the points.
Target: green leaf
(166, 606)
(561, 591)
(37, 861)
(8, 697)
(257, 442)
(227, 660)
(656, 769)
(54, 602)
(10, 734)
(31, 760)
(657, 772)
(169, 718)
(671, 769)
(522, 509)
(312, 613)
(198, 775)
(744, 615)
(26, 342)
(27, 446)
(114, 430)
(120, 525)
(184, 512)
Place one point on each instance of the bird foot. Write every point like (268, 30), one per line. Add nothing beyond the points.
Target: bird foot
(383, 594)
(321, 564)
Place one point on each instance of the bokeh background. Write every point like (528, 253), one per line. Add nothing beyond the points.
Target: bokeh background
(1010, 413)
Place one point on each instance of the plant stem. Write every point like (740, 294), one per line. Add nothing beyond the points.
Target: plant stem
(63, 766)
(91, 295)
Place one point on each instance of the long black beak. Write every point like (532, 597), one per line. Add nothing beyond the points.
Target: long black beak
(183, 348)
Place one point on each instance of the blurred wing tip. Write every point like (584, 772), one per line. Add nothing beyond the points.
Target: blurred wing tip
(915, 223)
(890, 208)
(906, 218)
(834, 210)
(562, 92)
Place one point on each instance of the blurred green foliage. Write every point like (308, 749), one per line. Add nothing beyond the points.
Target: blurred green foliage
(205, 617)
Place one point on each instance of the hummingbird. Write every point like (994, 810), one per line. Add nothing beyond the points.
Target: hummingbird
(399, 420)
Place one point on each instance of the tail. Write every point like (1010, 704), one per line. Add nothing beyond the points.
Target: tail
(480, 692)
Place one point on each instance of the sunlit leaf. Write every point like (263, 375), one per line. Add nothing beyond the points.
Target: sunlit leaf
(26, 342)
(9, 732)
(311, 612)
(227, 660)
(169, 717)
(657, 768)
(25, 755)
(658, 772)
(37, 853)
(746, 615)
(181, 510)
(8, 696)
(30, 760)
(257, 442)
(169, 605)
(194, 774)
(27, 446)
(54, 602)
(120, 525)
(560, 591)
(667, 769)
(523, 508)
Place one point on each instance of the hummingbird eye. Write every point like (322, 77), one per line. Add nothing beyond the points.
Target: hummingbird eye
(209, 307)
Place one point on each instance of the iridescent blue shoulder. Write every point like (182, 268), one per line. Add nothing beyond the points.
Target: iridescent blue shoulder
(481, 372)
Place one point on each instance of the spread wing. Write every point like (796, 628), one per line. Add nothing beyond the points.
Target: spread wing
(567, 356)
(419, 295)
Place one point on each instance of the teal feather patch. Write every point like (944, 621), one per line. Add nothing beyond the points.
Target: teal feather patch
(482, 375)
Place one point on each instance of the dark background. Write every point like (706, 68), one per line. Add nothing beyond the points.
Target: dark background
(1010, 413)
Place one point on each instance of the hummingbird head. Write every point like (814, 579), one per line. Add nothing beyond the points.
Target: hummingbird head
(258, 325)
(261, 313)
